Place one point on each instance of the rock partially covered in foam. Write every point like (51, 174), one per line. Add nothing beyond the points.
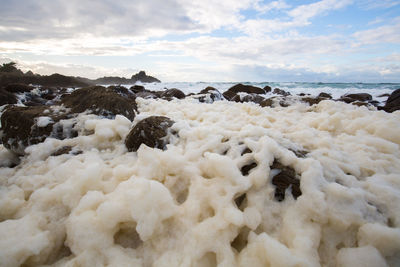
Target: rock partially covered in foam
(151, 131)
(172, 93)
(286, 178)
(393, 102)
(241, 88)
(102, 101)
(25, 126)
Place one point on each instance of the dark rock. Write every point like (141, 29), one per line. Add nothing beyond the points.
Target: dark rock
(384, 95)
(61, 151)
(375, 103)
(240, 88)
(147, 94)
(18, 88)
(21, 128)
(359, 104)
(246, 151)
(346, 99)
(7, 98)
(283, 180)
(142, 77)
(267, 102)
(247, 168)
(151, 131)
(359, 97)
(267, 89)
(137, 88)
(299, 153)
(107, 102)
(312, 101)
(301, 94)
(173, 93)
(393, 102)
(209, 95)
(248, 98)
(280, 92)
(326, 95)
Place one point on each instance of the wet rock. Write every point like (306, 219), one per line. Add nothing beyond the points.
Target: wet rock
(326, 95)
(61, 151)
(312, 101)
(107, 102)
(210, 94)
(350, 98)
(25, 126)
(384, 95)
(147, 94)
(359, 104)
(299, 153)
(173, 93)
(248, 98)
(240, 88)
(280, 92)
(393, 102)
(286, 178)
(7, 98)
(267, 102)
(17, 88)
(137, 88)
(247, 168)
(267, 89)
(151, 131)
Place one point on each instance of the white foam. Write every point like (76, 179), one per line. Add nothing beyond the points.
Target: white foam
(177, 207)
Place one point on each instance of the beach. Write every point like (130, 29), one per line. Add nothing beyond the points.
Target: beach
(232, 184)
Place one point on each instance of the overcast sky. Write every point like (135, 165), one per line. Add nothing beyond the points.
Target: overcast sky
(207, 40)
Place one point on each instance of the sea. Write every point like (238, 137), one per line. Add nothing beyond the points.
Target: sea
(335, 89)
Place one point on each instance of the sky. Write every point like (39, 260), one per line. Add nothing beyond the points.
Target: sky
(208, 40)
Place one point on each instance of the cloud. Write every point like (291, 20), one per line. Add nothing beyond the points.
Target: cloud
(384, 34)
(58, 19)
(305, 12)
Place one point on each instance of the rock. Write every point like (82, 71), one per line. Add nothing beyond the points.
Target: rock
(267, 89)
(248, 98)
(359, 104)
(326, 95)
(360, 97)
(173, 93)
(147, 94)
(25, 126)
(384, 95)
(142, 77)
(107, 102)
(312, 101)
(393, 102)
(7, 98)
(18, 88)
(346, 99)
(137, 88)
(151, 131)
(247, 168)
(267, 102)
(240, 88)
(283, 180)
(209, 95)
(280, 92)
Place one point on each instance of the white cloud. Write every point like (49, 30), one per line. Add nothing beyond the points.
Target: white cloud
(304, 12)
(384, 34)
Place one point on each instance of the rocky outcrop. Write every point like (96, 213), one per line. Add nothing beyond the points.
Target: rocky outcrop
(107, 102)
(393, 102)
(240, 88)
(141, 76)
(7, 97)
(25, 126)
(17, 88)
(151, 131)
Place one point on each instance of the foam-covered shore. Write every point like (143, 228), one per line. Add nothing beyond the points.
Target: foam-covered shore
(101, 205)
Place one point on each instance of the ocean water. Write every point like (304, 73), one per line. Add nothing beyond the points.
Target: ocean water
(335, 89)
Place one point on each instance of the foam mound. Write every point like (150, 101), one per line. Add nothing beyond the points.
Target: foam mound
(212, 196)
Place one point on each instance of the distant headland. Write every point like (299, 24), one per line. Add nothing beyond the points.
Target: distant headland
(9, 73)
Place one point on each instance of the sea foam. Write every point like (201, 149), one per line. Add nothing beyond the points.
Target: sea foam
(105, 206)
